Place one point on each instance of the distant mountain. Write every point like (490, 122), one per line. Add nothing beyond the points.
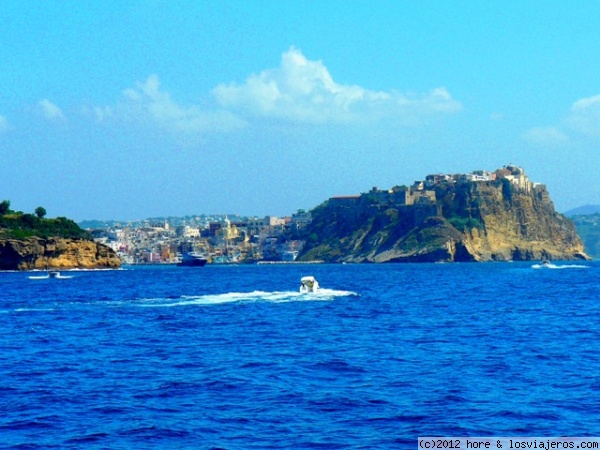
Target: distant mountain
(583, 210)
(195, 220)
(588, 227)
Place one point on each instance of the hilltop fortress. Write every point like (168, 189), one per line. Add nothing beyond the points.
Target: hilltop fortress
(423, 193)
(480, 216)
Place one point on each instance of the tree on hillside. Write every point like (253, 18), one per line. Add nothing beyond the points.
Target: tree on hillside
(40, 212)
(28, 221)
(4, 207)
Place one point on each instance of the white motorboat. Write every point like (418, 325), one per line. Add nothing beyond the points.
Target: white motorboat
(53, 274)
(309, 284)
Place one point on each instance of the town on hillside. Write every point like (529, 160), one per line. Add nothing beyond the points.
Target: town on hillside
(222, 240)
(219, 239)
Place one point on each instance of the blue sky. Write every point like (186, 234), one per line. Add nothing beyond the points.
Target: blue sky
(125, 110)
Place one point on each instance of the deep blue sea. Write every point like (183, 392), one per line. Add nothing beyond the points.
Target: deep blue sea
(234, 357)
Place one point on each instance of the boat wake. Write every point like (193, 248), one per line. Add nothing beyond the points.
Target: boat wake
(554, 266)
(256, 296)
(47, 277)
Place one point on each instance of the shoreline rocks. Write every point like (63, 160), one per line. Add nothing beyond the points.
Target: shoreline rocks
(56, 253)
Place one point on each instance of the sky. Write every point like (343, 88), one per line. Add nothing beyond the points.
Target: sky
(129, 110)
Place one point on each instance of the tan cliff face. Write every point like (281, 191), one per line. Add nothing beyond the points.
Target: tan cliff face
(471, 221)
(56, 253)
(522, 227)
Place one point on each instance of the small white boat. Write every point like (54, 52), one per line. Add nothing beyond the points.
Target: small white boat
(50, 274)
(308, 284)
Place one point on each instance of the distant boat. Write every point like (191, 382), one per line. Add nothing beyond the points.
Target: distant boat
(192, 259)
(227, 259)
(544, 264)
(49, 274)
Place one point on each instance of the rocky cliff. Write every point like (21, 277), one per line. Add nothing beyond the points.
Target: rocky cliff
(462, 221)
(55, 253)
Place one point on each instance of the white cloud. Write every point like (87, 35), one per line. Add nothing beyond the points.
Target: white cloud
(545, 136)
(146, 102)
(102, 113)
(581, 120)
(3, 124)
(584, 116)
(304, 91)
(298, 90)
(50, 110)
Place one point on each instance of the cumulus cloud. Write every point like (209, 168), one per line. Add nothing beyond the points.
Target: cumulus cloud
(584, 116)
(581, 120)
(50, 110)
(146, 102)
(304, 91)
(545, 136)
(102, 113)
(3, 124)
(299, 90)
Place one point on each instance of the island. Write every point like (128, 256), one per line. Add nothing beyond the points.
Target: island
(482, 216)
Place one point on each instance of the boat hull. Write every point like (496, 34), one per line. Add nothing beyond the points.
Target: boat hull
(192, 260)
(193, 263)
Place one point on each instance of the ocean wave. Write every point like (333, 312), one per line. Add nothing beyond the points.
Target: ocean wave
(255, 296)
(47, 277)
(32, 309)
(562, 266)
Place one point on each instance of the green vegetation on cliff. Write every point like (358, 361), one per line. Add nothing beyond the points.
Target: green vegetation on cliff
(30, 241)
(19, 225)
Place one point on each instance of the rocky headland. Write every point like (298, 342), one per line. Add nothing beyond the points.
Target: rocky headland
(30, 242)
(483, 216)
(55, 253)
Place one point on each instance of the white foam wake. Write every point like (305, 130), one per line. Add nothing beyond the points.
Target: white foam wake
(46, 277)
(554, 266)
(255, 296)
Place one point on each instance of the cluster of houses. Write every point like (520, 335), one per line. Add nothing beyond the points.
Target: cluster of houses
(516, 175)
(423, 192)
(220, 240)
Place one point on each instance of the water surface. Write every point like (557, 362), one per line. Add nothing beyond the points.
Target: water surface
(235, 357)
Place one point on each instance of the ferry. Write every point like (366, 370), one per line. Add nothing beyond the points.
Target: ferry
(192, 259)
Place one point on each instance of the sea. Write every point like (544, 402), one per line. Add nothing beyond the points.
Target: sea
(235, 357)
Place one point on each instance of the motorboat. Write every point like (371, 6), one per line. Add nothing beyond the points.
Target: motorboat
(308, 284)
(544, 264)
(192, 259)
(50, 274)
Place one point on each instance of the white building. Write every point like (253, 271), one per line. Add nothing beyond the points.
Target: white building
(191, 232)
(266, 226)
